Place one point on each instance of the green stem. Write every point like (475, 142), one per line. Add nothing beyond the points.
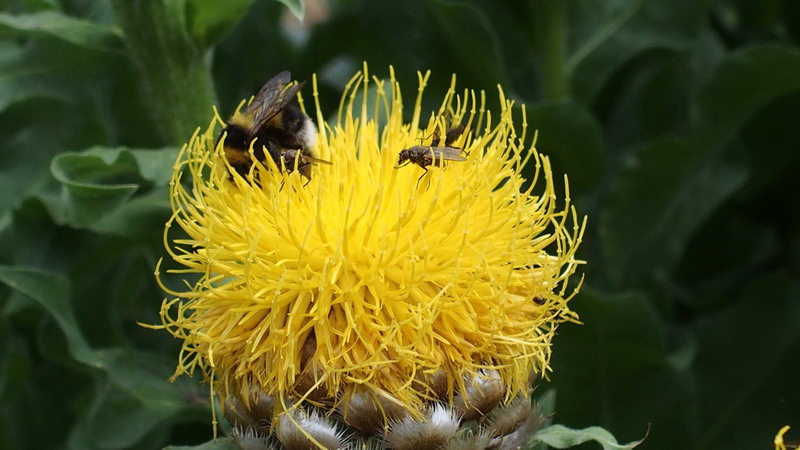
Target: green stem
(176, 81)
(550, 21)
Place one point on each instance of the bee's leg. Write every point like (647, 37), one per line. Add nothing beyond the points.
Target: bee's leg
(308, 180)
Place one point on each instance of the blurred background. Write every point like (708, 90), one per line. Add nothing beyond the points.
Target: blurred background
(677, 121)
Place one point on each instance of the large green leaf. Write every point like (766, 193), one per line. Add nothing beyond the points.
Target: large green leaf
(134, 374)
(134, 401)
(40, 243)
(469, 35)
(53, 24)
(572, 138)
(668, 188)
(619, 372)
(44, 70)
(101, 181)
(92, 187)
(743, 84)
(747, 364)
(142, 217)
(25, 163)
(52, 291)
(605, 35)
(662, 195)
(770, 139)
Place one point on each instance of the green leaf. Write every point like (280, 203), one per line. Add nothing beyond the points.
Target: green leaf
(40, 243)
(52, 291)
(747, 363)
(69, 29)
(740, 87)
(155, 166)
(209, 22)
(771, 139)
(98, 181)
(663, 194)
(142, 398)
(569, 134)
(559, 436)
(465, 33)
(618, 371)
(93, 187)
(132, 403)
(143, 217)
(44, 70)
(20, 176)
(605, 35)
(128, 368)
(668, 188)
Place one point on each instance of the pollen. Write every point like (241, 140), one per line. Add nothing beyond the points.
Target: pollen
(410, 285)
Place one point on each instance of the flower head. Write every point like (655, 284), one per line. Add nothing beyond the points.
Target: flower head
(369, 280)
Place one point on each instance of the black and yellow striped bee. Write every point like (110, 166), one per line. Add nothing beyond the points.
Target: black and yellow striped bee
(279, 129)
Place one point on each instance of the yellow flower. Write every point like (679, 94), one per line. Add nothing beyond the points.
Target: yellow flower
(369, 280)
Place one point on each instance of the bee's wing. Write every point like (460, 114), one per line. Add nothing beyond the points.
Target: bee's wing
(314, 160)
(272, 98)
(270, 91)
(448, 153)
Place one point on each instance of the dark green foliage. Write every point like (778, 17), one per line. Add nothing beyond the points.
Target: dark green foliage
(678, 122)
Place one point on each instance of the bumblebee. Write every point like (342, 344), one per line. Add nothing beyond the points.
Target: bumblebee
(280, 130)
(440, 150)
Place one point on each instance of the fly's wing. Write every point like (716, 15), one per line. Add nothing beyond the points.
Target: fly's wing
(447, 154)
(453, 134)
(447, 117)
(271, 99)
